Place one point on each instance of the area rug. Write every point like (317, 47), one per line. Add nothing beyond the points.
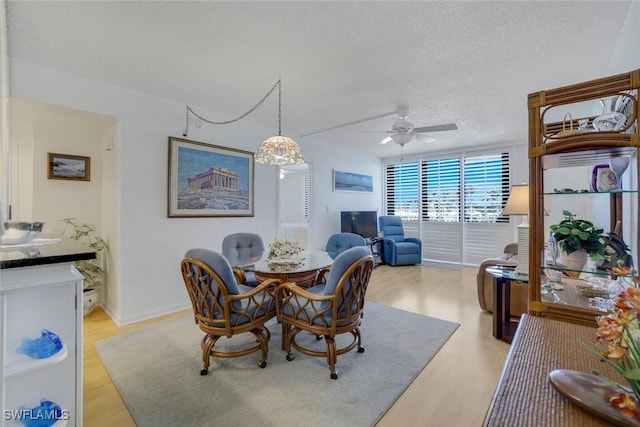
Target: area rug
(157, 372)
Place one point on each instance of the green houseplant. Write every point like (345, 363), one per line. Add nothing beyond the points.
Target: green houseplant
(573, 234)
(92, 270)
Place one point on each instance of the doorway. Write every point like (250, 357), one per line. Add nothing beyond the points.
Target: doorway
(294, 204)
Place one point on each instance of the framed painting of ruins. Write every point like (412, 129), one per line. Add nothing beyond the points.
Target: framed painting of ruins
(208, 180)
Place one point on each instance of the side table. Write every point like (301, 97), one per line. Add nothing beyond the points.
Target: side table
(503, 275)
(377, 248)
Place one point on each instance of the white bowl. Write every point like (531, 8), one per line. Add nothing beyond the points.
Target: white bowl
(19, 232)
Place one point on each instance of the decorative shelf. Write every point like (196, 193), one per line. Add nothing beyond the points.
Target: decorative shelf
(18, 364)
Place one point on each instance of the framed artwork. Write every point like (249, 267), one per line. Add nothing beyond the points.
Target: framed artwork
(208, 180)
(348, 181)
(69, 167)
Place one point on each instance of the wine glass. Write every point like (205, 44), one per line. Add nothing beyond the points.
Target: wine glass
(618, 165)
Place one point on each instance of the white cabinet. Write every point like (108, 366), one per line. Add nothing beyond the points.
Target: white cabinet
(34, 298)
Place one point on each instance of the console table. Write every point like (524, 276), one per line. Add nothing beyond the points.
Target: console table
(524, 396)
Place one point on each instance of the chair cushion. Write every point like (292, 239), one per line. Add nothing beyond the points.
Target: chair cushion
(341, 264)
(340, 242)
(391, 226)
(242, 248)
(219, 264)
(403, 248)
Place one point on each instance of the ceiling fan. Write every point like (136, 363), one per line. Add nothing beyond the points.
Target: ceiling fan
(403, 130)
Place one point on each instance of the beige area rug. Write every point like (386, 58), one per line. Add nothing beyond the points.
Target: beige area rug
(157, 372)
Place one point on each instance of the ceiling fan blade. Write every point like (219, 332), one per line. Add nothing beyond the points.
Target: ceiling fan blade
(349, 124)
(437, 128)
(384, 141)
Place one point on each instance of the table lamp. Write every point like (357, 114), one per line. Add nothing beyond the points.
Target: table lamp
(518, 204)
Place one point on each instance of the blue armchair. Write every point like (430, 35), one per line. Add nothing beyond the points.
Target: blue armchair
(340, 242)
(399, 250)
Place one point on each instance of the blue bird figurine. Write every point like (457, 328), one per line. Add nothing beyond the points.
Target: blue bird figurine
(40, 348)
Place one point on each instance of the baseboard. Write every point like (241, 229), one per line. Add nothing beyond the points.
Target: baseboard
(145, 316)
(443, 264)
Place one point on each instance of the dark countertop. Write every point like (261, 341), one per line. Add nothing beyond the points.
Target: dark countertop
(67, 250)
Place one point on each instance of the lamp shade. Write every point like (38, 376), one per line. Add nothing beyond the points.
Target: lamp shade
(279, 150)
(518, 202)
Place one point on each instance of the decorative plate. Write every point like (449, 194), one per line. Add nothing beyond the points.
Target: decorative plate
(591, 393)
(624, 105)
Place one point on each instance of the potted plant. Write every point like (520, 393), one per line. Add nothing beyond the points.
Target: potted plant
(578, 239)
(93, 270)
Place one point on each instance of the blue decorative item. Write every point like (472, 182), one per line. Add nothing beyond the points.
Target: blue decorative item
(40, 348)
(44, 415)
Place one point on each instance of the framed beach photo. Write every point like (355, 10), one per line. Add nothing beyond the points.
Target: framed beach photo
(348, 181)
(208, 180)
(68, 167)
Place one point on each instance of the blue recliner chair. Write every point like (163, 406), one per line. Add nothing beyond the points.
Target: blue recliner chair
(398, 250)
(340, 242)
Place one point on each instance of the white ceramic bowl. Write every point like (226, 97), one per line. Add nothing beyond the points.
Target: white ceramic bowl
(19, 232)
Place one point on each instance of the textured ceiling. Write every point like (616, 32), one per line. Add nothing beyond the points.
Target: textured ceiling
(472, 63)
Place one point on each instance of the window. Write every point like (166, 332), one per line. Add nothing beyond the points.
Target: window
(438, 183)
(486, 187)
(441, 190)
(403, 190)
(454, 203)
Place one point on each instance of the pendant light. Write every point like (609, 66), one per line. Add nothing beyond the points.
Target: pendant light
(276, 150)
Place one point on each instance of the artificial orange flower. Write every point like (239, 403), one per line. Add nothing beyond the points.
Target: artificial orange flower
(632, 296)
(625, 404)
(615, 351)
(622, 271)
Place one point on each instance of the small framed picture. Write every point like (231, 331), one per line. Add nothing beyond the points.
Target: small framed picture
(69, 167)
(603, 179)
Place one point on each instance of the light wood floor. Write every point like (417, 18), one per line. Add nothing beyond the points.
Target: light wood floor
(455, 388)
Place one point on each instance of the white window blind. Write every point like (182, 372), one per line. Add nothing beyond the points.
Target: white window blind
(307, 196)
(441, 190)
(486, 187)
(453, 203)
(403, 191)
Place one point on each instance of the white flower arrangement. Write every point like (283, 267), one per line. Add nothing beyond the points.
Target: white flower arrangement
(283, 248)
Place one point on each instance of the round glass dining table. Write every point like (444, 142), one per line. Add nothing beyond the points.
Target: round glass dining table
(303, 271)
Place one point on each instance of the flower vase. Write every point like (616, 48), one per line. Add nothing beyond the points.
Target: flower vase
(609, 120)
(575, 261)
(618, 165)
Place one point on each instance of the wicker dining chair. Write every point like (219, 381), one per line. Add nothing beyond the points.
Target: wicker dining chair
(224, 308)
(327, 310)
(242, 250)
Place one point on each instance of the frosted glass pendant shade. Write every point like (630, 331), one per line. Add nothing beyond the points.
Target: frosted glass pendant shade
(279, 150)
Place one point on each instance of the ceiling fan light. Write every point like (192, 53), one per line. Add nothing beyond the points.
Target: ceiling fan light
(401, 138)
(279, 150)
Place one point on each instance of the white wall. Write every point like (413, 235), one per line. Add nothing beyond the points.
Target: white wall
(626, 54)
(38, 129)
(146, 246)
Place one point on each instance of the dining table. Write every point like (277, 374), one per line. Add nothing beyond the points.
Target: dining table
(302, 269)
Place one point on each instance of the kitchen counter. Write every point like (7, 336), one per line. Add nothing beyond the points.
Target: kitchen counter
(44, 250)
